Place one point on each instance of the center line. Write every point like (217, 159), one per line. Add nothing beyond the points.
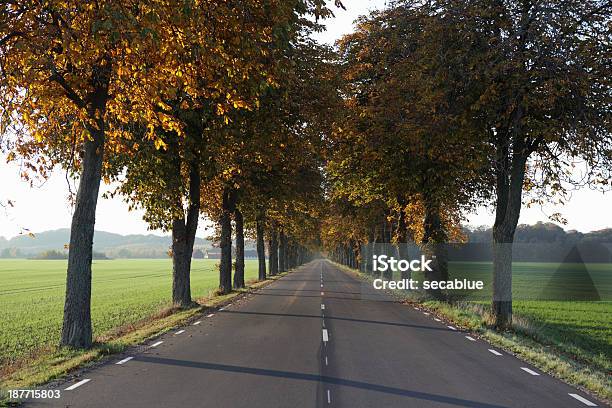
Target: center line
(322, 293)
(125, 360)
(180, 331)
(497, 353)
(156, 344)
(328, 397)
(325, 360)
(325, 335)
(73, 386)
(529, 371)
(583, 400)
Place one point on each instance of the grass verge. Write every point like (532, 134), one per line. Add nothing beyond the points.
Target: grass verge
(55, 363)
(524, 341)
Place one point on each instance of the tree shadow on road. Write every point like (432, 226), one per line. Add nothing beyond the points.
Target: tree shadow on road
(318, 378)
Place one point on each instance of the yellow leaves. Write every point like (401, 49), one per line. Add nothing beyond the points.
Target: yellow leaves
(160, 144)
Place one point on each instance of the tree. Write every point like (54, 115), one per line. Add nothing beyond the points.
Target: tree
(72, 73)
(544, 107)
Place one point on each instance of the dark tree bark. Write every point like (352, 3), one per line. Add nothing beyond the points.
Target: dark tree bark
(273, 248)
(402, 239)
(239, 273)
(434, 245)
(261, 249)
(282, 252)
(225, 222)
(510, 176)
(183, 238)
(76, 329)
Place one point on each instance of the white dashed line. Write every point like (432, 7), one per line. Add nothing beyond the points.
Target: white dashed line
(125, 360)
(529, 371)
(321, 285)
(322, 293)
(180, 332)
(73, 386)
(452, 328)
(426, 314)
(497, 353)
(437, 320)
(325, 335)
(210, 315)
(470, 338)
(198, 322)
(583, 400)
(322, 307)
(156, 344)
(223, 308)
(325, 360)
(328, 397)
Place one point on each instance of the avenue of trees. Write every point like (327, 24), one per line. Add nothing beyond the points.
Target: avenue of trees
(230, 111)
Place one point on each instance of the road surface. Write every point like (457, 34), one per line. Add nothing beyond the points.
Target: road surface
(318, 337)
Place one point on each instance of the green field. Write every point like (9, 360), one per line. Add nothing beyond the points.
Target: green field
(123, 292)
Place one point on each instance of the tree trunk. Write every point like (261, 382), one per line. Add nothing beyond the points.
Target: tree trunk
(76, 329)
(183, 238)
(282, 252)
(434, 240)
(509, 191)
(239, 274)
(273, 248)
(261, 249)
(225, 265)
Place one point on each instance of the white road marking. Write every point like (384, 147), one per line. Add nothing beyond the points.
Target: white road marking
(210, 315)
(125, 360)
(156, 344)
(73, 386)
(322, 307)
(180, 331)
(198, 322)
(529, 371)
(322, 293)
(328, 397)
(321, 285)
(325, 360)
(426, 314)
(583, 400)
(470, 338)
(223, 308)
(325, 335)
(497, 353)
(437, 320)
(452, 328)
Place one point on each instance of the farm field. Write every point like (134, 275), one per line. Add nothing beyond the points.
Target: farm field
(123, 292)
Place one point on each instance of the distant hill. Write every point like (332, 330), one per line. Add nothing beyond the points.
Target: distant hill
(107, 243)
(113, 245)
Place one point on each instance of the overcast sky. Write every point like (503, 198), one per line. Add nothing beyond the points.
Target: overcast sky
(45, 207)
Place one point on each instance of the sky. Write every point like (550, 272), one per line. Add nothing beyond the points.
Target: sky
(45, 206)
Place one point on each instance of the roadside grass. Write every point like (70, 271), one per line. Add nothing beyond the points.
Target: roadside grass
(125, 295)
(571, 340)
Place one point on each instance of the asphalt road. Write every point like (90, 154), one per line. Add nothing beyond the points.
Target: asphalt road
(317, 338)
